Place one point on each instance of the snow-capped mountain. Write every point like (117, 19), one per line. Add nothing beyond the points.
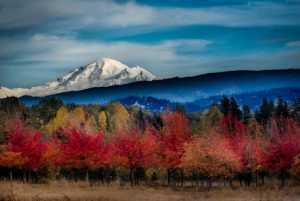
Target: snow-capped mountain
(102, 73)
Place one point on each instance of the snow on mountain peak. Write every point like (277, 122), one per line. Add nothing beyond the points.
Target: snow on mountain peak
(102, 73)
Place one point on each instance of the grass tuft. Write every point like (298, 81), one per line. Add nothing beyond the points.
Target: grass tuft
(81, 191)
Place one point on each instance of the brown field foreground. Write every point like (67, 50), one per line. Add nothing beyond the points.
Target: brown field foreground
(81, 191)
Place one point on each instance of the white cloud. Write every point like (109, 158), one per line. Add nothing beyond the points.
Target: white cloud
(66, 15)
(43, 54)
(129, 14)
(56, 52)
(293, 44)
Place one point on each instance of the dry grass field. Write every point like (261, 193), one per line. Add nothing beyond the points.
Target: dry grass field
(81, 191)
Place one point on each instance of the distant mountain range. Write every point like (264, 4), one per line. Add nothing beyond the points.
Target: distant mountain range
(196, 93)
(252, 99)
(102, 73)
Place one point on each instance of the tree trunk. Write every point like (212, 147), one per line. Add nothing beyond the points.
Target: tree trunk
(168, 176)
(29, 176)
(72, 175)
(10, 175)
(198, 179)
(230, 182)
(182, 177)
(263, 180)
(87, 175)
(24, 177)
(208, 182)
(256, 178)
(282, 178)
(130, 176)
(136, 177)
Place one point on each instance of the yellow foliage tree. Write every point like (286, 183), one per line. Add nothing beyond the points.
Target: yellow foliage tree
(255, 129)
(60, 120)
(77, 117)
(119, 117)
(211, 118)
(102, 119)
(91, 125)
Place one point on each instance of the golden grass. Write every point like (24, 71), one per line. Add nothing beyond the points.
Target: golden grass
(81, 191)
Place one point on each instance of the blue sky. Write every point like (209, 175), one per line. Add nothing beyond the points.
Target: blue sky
(41, 40)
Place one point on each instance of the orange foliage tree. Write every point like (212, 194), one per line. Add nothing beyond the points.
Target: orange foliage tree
(11, 160)
(210, 155)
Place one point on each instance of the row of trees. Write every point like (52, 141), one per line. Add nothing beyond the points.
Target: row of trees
(113, 142)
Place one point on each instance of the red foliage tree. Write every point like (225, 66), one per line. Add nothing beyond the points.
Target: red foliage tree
(248, 149)
(150, 148)
(127, 151)
(281, 153)
(79, 150)
(51, 153)
(135, 150)
(27, 142)
(231, 126)
(172, 137)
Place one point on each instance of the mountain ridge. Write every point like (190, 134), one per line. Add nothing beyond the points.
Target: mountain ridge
(101, 73)
(186, 89)
(251, 99)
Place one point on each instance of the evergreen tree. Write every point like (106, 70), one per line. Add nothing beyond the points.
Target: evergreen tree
(246, 114)
(225, 105)
(141, 120)
(179, 108)
(296, 110)
(12, 107)
(229, 106)
(265, 112)
(234, 109)
(46, 110)
(282, 109)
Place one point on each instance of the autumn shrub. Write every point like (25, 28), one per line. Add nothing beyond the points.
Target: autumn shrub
(123, 173)
(151, 174)
(295, 170)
